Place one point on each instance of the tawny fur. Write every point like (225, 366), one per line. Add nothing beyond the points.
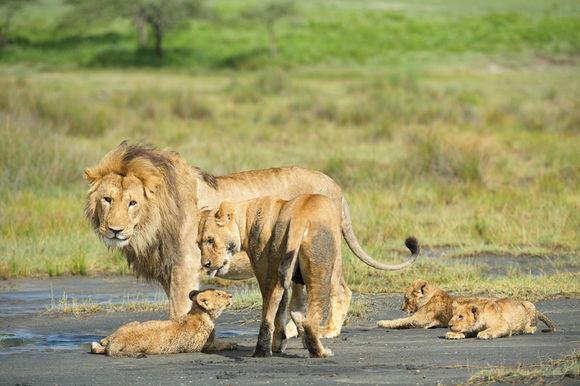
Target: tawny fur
(158, 232)
(495, 318)
(192, 332)
(430, 307)
(287, 241)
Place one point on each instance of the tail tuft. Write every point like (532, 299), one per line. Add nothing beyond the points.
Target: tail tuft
(413, 245)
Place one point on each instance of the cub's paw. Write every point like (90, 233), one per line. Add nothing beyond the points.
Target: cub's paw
(96, 348)
(385, 324)
(454, 335)
(484, 335)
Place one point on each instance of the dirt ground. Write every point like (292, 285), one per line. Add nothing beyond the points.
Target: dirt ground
(41, 349)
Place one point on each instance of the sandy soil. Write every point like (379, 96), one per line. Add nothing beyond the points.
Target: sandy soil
(57, 351)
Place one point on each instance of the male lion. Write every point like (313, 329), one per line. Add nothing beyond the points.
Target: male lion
(192, 332)
(495, 318)
(430, 306)
(146, 202)
(297, 240)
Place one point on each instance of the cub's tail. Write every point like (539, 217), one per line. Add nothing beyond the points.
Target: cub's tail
(547, 321)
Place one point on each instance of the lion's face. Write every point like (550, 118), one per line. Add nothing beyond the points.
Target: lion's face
(464, 318)
(415, 296)
(218, 239)
(118, 205)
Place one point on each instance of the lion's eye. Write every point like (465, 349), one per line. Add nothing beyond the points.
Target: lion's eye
(132, 203)
(210, 241)
(460, 317)
(108, 199)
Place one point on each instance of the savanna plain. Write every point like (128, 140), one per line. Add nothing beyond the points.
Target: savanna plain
(456, 122)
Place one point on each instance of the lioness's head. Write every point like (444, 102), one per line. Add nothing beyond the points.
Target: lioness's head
(218, 239)
(416, 295)
(465, 317)
(120, 195)
(210, 300)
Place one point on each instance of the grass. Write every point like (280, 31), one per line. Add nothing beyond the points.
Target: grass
(465, 136)
(552, 370)
(86, 306)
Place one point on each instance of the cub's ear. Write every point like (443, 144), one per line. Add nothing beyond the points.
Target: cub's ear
(193, 294)
(475, 310)
(419, 285)
(205, 300)
(224, 214)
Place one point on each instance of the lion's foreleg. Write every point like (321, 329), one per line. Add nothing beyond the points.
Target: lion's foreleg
(184, 278)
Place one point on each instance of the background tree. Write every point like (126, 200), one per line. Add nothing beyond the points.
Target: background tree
(155, 16)
(8, 9)
(270, 14)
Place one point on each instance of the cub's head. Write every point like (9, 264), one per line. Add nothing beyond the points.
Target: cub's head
(211, 301)
(120, 196)
(465, 317)
(416, 295)
(218, 239)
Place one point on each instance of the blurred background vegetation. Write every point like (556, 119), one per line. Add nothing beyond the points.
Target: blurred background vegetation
(454, 121)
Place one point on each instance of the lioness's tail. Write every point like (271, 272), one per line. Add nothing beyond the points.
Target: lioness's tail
(547, 321)
(411, 243)
(287, 268)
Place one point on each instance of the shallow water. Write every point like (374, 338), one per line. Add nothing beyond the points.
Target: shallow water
(31, 296)
(21, 340)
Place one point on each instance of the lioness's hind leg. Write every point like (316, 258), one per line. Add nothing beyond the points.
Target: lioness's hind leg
(402, 323)
(340, 299)
(279, 340)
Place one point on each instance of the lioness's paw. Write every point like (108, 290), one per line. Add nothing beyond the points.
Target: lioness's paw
(325, 353)
(262, 353)
(454, 335)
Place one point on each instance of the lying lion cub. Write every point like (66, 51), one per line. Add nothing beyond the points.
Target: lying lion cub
(430, 306)
(495, 318)
(192, 332)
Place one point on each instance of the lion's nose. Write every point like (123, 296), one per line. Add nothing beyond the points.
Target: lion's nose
(115, 230)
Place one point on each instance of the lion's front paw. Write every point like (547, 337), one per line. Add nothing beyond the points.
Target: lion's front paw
(454, 335)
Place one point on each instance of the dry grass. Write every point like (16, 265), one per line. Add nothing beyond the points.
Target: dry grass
(550, 371)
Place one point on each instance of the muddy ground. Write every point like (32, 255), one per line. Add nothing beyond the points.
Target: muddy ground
(41, 349)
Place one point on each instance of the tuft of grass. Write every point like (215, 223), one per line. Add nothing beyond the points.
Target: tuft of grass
(87, 306)
(555, 370)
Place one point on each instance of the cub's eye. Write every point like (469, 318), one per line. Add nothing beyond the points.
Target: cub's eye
(108, 199)
(210, 241)
(460, 317)
(132, 203)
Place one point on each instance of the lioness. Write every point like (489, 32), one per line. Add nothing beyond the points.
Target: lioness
(146, 202)
(495, 318)
(430, 306)
(189, 333)
(297, 240)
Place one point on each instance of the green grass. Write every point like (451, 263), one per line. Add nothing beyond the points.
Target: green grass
(456, 124)
(553, 370)
(323, 33)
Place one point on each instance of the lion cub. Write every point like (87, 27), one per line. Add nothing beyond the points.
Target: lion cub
(430, 306)
(192, 332)
(495, 318)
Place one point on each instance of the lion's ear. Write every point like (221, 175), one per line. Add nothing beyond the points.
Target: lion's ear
(91, 175)
(224, 214)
